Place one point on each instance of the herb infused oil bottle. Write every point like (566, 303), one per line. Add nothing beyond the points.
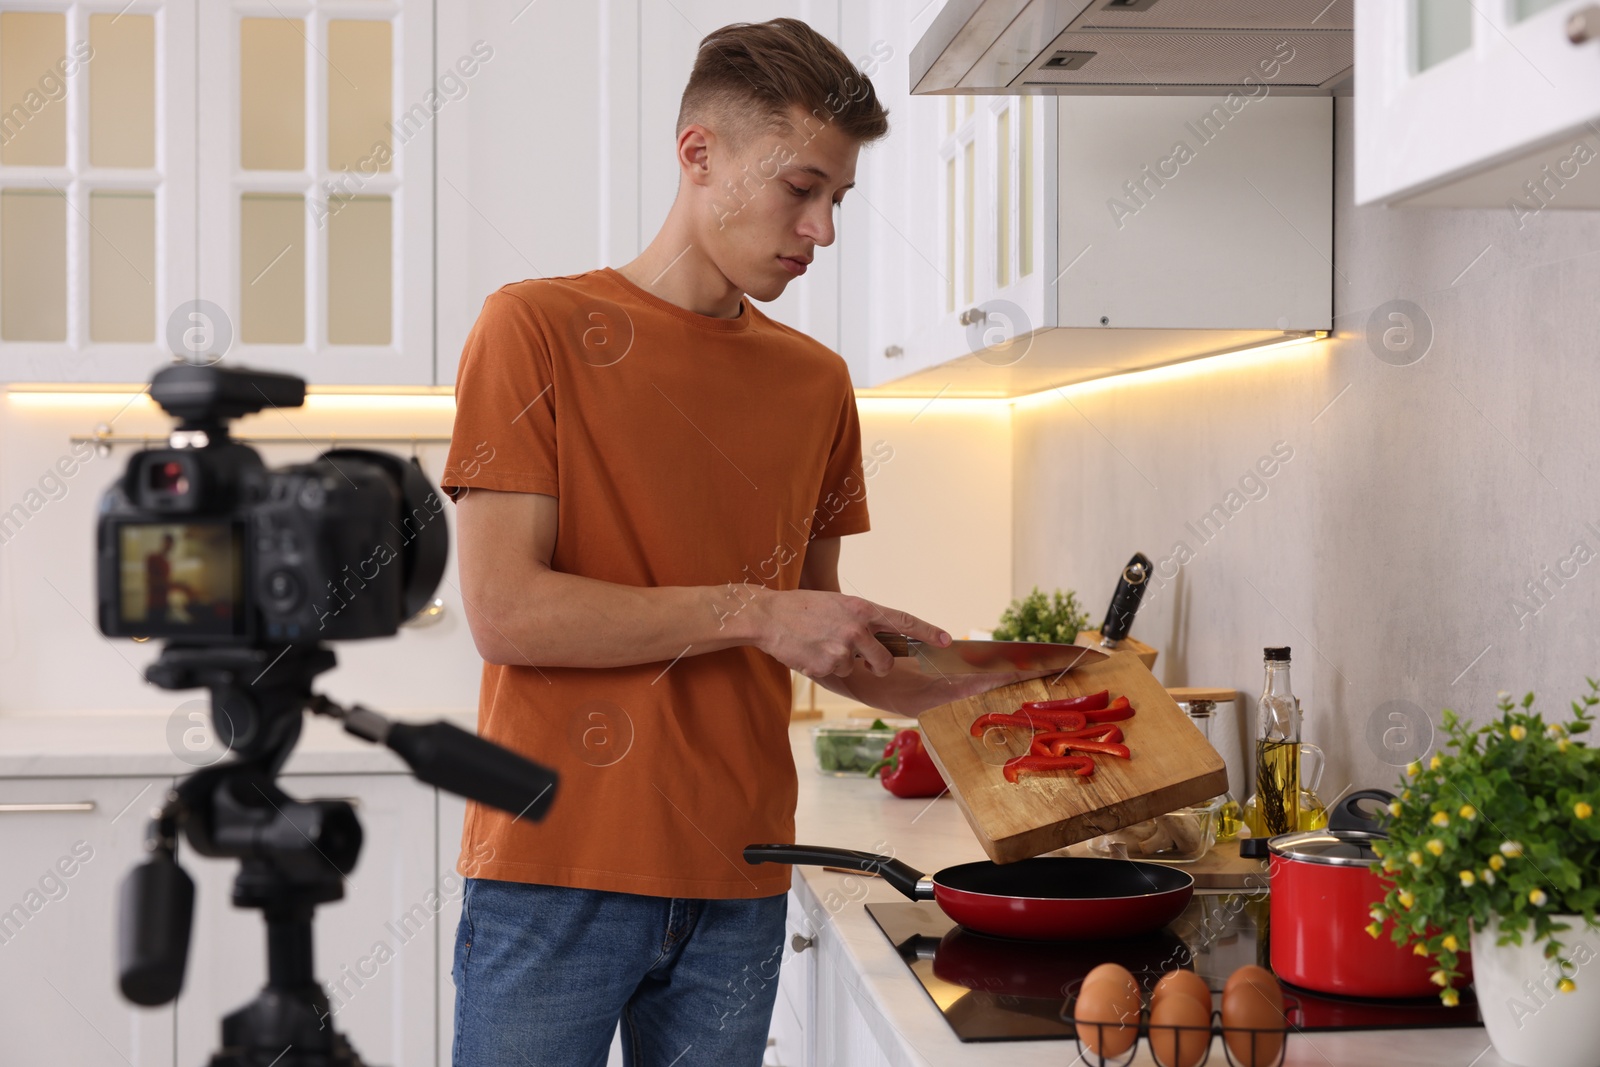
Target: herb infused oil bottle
(1277, 800)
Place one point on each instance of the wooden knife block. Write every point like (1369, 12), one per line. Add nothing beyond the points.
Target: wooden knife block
(1147, 655)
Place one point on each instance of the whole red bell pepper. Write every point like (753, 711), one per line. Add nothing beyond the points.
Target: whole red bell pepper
(908, 770)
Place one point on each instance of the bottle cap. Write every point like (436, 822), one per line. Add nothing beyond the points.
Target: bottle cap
(1277, 654)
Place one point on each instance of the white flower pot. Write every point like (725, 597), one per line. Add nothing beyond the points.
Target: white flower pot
(1531, 1023)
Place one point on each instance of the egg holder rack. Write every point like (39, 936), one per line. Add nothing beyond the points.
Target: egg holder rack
(1258, 1057)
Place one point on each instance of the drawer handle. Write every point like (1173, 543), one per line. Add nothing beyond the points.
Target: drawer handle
(68, 805)
(972, 316)
(893, 352)
(800, 942)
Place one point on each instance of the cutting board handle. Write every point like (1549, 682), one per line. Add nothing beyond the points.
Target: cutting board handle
(899, 645)
(897, 873)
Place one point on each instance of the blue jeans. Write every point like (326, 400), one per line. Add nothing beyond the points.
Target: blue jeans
(543, 974)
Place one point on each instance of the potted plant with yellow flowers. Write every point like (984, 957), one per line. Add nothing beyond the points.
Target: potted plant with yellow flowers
(1494, 844)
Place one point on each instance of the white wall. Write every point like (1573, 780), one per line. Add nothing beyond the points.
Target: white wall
(1390, 552)
(939, 548)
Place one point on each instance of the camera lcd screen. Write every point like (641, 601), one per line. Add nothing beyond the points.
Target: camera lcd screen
(180, 578)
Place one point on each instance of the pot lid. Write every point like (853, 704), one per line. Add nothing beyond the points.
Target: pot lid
(1334, 848)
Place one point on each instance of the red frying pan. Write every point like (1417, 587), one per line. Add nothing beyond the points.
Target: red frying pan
(1047, 898)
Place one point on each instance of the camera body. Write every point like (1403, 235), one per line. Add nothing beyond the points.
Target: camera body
(202, 543)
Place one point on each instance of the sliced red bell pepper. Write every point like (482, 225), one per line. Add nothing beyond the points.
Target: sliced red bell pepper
(1057, 742)
(1120, 709)
(1079, 766)
(1092, 702)
(1070, 744)
(1030, 720)
(1100, 731)
(1037, 747)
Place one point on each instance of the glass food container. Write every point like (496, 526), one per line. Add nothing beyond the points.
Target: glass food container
(848, 748)
(1180, 836)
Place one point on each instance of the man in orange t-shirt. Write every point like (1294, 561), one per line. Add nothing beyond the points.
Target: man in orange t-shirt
(652, 478)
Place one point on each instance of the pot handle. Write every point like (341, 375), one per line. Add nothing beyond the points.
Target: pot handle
(1347, 814)
(897, 873)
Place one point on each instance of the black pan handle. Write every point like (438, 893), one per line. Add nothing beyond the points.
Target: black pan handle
(897, 873)
(1347, 814)
(1125, 601)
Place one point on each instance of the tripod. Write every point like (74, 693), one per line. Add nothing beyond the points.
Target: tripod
(293, 854)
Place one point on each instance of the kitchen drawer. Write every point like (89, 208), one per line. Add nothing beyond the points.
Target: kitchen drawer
(69, 842)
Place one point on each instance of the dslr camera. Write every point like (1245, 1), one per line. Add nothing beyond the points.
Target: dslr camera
(200, 542)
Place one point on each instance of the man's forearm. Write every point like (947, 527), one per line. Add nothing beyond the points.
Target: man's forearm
(567, 620)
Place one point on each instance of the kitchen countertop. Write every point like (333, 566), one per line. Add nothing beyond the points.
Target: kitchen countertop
(137, 744)
(860, 813)
(848, 812)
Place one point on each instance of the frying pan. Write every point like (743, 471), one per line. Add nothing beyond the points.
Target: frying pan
(1047, 898)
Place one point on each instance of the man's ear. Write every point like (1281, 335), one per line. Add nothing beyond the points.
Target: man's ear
(694, 153)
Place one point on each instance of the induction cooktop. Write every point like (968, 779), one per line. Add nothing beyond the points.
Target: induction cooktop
(997, 989)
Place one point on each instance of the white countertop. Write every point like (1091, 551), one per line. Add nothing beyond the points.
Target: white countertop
(142, 744)
(861, 814)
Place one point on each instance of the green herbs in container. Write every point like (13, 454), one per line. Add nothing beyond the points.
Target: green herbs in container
(849, 748)
(1055, 619)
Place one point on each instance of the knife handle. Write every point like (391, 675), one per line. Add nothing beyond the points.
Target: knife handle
(899, 645)
(1125, 601)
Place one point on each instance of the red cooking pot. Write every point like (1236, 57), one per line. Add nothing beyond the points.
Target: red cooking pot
(1322, 896)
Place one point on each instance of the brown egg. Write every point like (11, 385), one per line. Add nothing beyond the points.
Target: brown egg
(1253, 1001)
(1181, 981)
(1107, 1010)
(1180, 1030)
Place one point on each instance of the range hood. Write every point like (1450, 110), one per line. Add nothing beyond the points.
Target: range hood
(1134, 47)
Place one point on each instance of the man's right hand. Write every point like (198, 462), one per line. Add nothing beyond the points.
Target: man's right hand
(822, 634)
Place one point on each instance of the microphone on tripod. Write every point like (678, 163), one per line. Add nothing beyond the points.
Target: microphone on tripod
(157, 902)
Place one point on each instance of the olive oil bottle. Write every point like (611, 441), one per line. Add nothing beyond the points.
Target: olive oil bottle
(1277, 798)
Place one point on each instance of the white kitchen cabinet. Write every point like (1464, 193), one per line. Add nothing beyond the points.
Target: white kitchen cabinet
(537, 151)
(316, 129)
(947, 213)
(842, 1032)
(674, 29)
(1462, 104)
(68, 844)
(1006, 253)
(793, 1033)
(559, 159)
(377, 949)
(97, 188)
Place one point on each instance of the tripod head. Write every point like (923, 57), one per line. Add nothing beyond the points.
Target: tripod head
(293, 854)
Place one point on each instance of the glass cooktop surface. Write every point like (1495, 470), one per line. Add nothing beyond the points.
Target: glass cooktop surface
(997, 989)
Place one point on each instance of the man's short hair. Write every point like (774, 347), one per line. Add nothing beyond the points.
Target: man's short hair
(747, 76)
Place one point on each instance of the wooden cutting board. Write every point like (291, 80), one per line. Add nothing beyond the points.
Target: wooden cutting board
(1173, 765)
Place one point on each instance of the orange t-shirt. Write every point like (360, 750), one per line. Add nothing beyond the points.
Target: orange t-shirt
(685, 450)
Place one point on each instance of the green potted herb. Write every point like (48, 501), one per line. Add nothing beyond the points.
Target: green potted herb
(1055, 619)
(1494, 844)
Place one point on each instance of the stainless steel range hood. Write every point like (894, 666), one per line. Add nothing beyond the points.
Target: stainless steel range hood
(1133, 47)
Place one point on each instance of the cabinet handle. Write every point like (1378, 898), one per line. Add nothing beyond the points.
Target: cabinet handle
(972, 316)
(68, 805)
(800, 942)
(893, 352)
(1583, 25)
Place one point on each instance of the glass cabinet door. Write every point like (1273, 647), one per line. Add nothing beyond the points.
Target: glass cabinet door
(96, 187)
(316, 171)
